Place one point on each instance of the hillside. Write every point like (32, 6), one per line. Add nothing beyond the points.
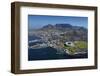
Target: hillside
(71, 33)
(57, 35)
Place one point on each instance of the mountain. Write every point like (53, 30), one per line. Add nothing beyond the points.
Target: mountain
(57, 35)
(68, 30)
(58, 26)
(63, 27)
(48, 26)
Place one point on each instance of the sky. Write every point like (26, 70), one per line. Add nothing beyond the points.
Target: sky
(38, 21)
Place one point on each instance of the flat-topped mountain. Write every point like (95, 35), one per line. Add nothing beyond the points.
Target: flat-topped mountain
(63, 27)
(58, 26)
(67, 31)
(56, 36)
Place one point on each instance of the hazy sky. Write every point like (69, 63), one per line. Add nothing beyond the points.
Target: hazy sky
(37, 21)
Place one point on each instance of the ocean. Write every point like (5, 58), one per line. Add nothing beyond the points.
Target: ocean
(49, 53)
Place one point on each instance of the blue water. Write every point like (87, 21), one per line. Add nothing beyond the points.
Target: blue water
(48, 53)
(33, 38)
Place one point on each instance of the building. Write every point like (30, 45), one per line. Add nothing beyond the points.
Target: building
(69, 44)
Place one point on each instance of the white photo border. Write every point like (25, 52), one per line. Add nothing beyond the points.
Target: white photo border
(25, 64)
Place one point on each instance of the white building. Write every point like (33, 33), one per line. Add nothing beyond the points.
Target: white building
(69, 43)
